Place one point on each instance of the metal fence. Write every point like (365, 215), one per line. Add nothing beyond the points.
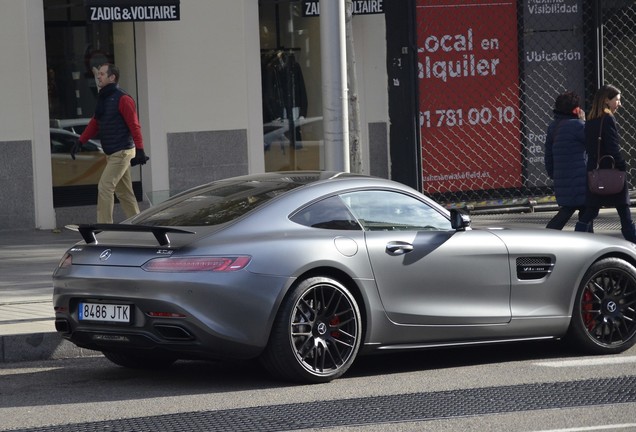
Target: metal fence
(488, 76)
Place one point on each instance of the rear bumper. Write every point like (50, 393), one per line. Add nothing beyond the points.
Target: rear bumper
(190, 319)
(179, 339)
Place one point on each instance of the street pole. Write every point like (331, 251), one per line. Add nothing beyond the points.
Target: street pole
(334, 79)
(355, 156)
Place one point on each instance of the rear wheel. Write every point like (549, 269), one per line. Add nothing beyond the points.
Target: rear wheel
(316, 335)
(604, 316)
(139, 360)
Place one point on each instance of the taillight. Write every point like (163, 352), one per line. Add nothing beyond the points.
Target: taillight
(66, 261)
(196, 264)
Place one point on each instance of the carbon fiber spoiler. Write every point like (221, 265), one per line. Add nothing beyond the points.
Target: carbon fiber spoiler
(88, 231)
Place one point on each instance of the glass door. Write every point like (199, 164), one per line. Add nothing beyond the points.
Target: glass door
(74, 46)
(291, 87)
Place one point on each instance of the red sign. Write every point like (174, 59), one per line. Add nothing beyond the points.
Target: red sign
(469, 98)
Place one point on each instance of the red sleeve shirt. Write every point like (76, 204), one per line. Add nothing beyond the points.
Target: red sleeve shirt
(90, 131)
(129, 113)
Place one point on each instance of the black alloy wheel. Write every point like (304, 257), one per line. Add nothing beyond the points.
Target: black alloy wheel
(317, 333)
(604, 316)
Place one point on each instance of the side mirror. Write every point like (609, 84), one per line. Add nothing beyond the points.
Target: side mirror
(459, 220)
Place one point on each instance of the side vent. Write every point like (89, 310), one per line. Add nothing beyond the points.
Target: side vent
(533, 268)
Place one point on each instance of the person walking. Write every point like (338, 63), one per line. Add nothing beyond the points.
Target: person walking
(601, 123)
(566, 159)
(117, 123)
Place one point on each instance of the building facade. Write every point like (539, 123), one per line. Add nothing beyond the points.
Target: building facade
(454, 95)
(222, 88)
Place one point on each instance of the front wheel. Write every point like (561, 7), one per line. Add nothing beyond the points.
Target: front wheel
(604, 316)
(316, 334)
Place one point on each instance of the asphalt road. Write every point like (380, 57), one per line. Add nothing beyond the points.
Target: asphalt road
(536, 386)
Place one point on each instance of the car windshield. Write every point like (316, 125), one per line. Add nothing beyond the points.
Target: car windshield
(214, 204)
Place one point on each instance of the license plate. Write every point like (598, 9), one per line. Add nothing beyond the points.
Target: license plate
(104, 312)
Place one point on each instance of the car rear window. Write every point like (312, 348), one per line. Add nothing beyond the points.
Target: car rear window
(213, 204)
(330, 213)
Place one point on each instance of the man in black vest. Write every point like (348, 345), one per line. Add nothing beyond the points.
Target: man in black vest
(117, 123)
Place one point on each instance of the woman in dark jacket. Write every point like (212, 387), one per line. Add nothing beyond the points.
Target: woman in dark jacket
(565, 158)
(601, 122)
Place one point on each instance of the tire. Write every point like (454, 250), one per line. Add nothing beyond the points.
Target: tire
(139, 361)
(316, 335)
(604, 315)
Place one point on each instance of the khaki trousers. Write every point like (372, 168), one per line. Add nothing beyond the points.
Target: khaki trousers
(116, 179)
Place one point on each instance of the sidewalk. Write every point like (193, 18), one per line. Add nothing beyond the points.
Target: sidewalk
(27, 320)
(28, 258)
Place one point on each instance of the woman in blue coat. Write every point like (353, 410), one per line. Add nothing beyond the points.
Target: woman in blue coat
(566, 159)
(601, 123)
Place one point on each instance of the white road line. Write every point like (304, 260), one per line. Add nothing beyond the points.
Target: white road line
(594, 428)
(588, 362)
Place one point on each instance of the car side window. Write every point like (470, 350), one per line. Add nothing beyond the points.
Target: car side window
(63, 143)
(60, 144)
(394, 211)
(57, 146)
(330, 213)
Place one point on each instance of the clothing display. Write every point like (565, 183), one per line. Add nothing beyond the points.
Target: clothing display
(284, 93)
(284, 96)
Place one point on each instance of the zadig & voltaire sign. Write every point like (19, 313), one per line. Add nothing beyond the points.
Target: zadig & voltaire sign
(132, 10)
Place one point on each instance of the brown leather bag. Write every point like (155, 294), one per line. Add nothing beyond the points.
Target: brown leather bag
(605, 181)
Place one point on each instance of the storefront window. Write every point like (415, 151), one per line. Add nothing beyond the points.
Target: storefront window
(292, 104)
(73, 47)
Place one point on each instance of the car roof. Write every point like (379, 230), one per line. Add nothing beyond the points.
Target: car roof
(63, 132)
(323, 180)
(64, 123)
(289, 189)
(299, 177)
(73, 134)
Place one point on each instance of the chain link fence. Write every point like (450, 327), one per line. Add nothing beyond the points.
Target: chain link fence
(488, 76)
(618, 21)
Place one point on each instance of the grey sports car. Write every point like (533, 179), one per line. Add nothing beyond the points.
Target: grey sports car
(307, 270)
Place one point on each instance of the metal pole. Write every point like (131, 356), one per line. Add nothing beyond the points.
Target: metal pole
(598, 23)
(334, 79)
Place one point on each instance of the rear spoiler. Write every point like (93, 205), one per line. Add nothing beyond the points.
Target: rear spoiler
(88, 231)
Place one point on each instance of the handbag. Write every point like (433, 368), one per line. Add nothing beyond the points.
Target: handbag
(605, 181)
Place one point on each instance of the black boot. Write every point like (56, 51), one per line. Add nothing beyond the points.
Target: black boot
(629, 232)
(583, 227)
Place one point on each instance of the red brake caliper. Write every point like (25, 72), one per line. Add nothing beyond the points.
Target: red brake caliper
(335, 321)
(588, 317)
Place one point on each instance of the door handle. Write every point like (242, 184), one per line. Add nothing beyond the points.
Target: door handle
(398, 248)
